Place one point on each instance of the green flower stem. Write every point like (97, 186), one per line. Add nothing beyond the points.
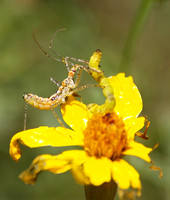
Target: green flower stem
(106, 191)
(133, 35)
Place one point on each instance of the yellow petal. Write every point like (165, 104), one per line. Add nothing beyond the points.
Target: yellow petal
(55, 164)
(79, 175)
(128, 98)
(75, 114)
(98, 170)
(78, 168)
(125, 175)
(139, 150)
(44, 136)
(42, 163)
(133, 126)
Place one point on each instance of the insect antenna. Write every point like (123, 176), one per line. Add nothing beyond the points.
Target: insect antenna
(50, 45)
(44, 52)
(67, 57)
(63, 59)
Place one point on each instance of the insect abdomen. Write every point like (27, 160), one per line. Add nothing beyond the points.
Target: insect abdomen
(38, 102)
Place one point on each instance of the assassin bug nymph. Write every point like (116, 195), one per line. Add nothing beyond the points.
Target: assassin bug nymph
(67, 88)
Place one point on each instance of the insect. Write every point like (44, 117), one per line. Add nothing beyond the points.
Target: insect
(103, 82)
(67, 88)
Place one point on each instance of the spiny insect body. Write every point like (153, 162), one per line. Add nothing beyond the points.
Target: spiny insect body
(66, 89)
(69, 86)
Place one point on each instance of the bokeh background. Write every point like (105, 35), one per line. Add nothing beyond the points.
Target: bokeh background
(90, 25)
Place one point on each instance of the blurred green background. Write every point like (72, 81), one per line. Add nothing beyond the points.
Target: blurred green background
(90, 24)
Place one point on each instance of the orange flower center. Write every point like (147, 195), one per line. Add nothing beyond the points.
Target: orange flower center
(105, 136)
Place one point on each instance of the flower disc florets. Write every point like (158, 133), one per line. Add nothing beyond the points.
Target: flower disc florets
(105, 136)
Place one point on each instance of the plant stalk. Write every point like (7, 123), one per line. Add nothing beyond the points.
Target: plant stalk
(133, 35)
(106, 191)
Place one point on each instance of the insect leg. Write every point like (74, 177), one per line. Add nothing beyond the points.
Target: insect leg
(55, 115)
(85, 86)
(78, 77)
(90, 69)
(77, 60)
(55, 82)
(25, 116)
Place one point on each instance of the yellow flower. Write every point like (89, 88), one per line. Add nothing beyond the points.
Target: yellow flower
(104, 140)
